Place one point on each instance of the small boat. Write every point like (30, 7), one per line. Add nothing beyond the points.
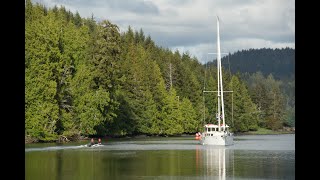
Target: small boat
(217, 134)
(94, 145)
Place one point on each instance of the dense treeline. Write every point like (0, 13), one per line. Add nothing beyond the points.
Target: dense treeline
(275, 99)
(83, 77)
(278, 62)
(262, 69)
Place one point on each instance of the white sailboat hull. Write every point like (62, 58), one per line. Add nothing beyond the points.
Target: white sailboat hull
(222, 139)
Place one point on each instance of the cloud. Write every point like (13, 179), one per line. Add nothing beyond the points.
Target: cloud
(191, 24)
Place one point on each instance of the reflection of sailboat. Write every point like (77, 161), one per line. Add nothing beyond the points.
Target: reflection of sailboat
(218, 134)
(217, 163)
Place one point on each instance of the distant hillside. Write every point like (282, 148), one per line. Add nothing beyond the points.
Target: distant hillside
(279, 62)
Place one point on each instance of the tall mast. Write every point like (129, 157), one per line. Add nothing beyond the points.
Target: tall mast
(218, 72)
(220, 77)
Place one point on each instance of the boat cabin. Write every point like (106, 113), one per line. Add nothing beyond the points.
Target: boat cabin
(211, 128)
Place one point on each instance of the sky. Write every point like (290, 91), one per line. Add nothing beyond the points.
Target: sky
(191, 25)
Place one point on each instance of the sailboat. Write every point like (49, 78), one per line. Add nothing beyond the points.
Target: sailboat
(217, 134)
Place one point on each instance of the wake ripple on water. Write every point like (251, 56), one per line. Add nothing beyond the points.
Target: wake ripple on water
(240, 143)
(53, 148)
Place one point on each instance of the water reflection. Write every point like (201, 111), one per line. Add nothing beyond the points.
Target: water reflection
(216, 162)
(167, 159)
(59, 164)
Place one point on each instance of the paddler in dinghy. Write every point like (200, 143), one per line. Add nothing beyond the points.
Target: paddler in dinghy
(91, 143)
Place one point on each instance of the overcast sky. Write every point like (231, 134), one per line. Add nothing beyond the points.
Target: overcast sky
(190, 25)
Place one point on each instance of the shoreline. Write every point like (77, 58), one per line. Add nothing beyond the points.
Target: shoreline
(253, 133)
(264, 131)
(29, 140)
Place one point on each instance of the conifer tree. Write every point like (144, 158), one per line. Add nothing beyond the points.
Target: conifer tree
(275, 112)
(189, 116)
(245, 117)
(43, 64)
(171, 115)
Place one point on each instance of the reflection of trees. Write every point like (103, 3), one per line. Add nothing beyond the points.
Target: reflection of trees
(206, 162)
(59, 164)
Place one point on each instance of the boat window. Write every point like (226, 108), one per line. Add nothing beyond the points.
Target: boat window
(209, 129)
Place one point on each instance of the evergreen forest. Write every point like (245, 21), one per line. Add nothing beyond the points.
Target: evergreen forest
(85, 78)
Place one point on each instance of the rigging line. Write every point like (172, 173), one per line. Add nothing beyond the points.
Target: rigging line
(229, 64)
(205, 71)
(204, 88)
(215, 105)
(230, 83)
(231, 88)
(211, 72)
(204, 109)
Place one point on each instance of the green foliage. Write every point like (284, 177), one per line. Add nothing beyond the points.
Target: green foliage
(211, 100)
(274, 112)
(290, 117)
(245, 112)
(85, 78)
(88, 102)
(137, 89)
(171, 116)
(43, 64)
(189, 116)
(104, 61)
(279, 62)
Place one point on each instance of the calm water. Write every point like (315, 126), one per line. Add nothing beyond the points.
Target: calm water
(251, 157)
